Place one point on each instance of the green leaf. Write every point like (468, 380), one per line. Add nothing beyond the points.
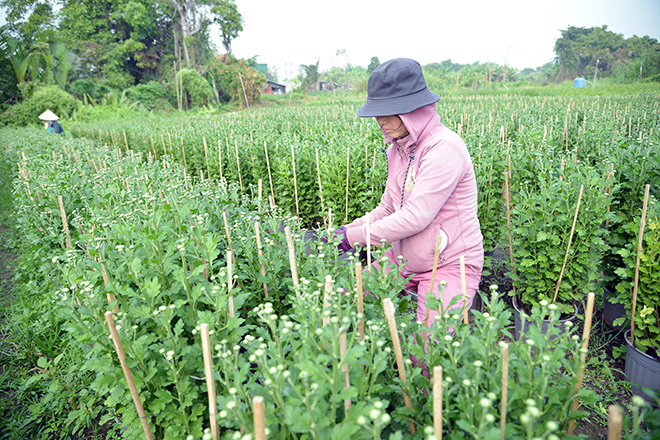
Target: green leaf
(42, 362)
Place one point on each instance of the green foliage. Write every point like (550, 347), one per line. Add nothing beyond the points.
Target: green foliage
(641, 420)
(585, 51)
(234, 80)
(44, 393)
(88, 88)
(226, 15)
(110, 106)
(310, 75)
(118, 42)
(373, 63)
(196, 90)
(647, 314)
(8, 81)
(151, 95)
(472, 359)
(44, 98)
(542, 216)
(143, 212)
(29, 21)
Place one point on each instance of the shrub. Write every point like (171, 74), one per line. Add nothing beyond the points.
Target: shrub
(88, 87)
(197, 91)
(151, 95)
(228, 73)
(45, 98)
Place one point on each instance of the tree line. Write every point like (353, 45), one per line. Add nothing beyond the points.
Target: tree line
(161, 53)
(93, 47)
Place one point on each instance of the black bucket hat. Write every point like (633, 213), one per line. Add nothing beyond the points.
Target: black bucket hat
(396, 87)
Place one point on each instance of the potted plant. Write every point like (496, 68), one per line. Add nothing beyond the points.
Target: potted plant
(556, 235)
(630, 170)
(639, 289)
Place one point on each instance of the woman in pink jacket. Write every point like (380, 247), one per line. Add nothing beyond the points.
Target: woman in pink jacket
(431, 189)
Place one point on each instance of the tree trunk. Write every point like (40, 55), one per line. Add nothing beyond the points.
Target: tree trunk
(182, 8)
(177, 48)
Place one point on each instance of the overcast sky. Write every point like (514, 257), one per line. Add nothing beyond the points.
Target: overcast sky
(520, 33)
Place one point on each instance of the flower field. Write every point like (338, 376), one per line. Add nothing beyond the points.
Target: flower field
(173, 259)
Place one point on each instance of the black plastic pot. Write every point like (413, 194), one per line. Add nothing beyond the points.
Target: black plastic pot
(522, 325)
(642, 370)
(612, 311)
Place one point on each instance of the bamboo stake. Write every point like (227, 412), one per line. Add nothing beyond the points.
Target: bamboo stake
(125, 141)
(65, 224)
(230, 282)
(259, 418)
(583, 356)
(344, 368)
(360, 298)
(270, 177)
(614, 421)
(318, 175)
(127, 373)
(292, 259)
(206, 156)
(505, 388)
(176, 86)
(507, 199)
(238, 165)
(247, 103)
(106, 281)
(368, 227)
(348, 169)
(220, 159)
(437, 401)
(185, 165)
(327, 291)
(228, 154)
(260, 251)
(210, 382)
(461, 261)
(224, 220)
(642, 224)
(608, 191)
(568, 248)
(295, 181)
(436, 257)
(388, 307)
(260, 192)
(153, 146)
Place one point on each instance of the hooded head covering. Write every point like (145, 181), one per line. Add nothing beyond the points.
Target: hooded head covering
(396, 87)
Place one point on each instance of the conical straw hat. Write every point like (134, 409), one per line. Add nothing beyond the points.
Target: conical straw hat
(48, 116)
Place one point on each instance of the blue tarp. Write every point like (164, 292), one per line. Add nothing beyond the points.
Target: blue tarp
(579, 82)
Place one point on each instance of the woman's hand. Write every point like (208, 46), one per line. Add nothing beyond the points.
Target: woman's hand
(344, 245)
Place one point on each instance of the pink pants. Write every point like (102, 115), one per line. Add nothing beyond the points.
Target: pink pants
(451, 274)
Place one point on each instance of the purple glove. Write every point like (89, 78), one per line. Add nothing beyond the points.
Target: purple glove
(344, 246)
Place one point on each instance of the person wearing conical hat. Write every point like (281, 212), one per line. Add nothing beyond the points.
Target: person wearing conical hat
(48, 116)
(52, 126)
